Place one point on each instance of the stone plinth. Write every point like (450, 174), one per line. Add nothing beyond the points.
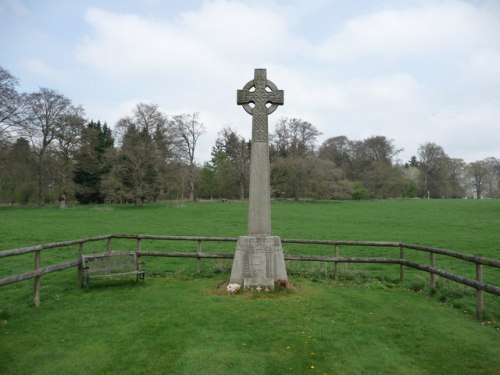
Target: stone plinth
(258, 261)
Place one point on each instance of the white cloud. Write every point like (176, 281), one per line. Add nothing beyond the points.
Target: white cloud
(448, 27)
(393, 90)
(217, 38)
(483, 67)
(40, 68)
(468, 131)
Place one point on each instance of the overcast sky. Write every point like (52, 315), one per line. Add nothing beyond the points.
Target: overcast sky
(414, 71)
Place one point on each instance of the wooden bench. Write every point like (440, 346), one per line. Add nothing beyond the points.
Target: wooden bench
(110, 264)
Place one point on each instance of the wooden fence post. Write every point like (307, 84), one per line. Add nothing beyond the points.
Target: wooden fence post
(198, 260)
(336, 264)
(37, 281)
(432, 275)
(479, 292)
(401, 267)
(108, 246)
(138, 249)
(80, 270)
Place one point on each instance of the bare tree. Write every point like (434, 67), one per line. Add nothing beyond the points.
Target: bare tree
(68, 140)
(485, 177)
(44, 121)
(188, 129)
(434, 165)
(478, 174)
(379, 149)
(493, 181)
(11, 103)
(338, 150)
(294, 137)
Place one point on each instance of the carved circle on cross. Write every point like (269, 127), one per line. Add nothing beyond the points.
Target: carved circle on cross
(250, 87)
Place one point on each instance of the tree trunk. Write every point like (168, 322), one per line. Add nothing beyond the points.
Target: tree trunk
(41, 192)
(191, 190)
(242, 191)
(62, 201)
(40, 179)
(138, 201)
(479, 191)
(191, 182)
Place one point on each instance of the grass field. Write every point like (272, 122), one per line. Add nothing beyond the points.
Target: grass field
(180, 322)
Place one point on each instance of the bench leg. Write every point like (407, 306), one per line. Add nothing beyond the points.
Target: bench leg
(140, 276)
(87, 282)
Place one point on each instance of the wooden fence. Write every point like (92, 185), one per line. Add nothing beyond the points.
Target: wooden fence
(476, 283)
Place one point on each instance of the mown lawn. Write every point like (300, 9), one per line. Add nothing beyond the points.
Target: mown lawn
(179, 322)
(181, 325)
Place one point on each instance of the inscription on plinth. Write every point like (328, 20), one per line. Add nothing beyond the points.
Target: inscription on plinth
(258, 261)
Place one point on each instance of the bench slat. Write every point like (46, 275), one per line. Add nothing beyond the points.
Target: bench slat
(110, 275)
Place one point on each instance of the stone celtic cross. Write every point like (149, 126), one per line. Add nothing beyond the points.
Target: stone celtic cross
(260, 97)
(258, 260)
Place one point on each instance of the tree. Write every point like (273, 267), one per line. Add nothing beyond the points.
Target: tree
(493, 181)
(208, 185)
(384, 181)
(456, 177)
(379, 149)
(230, 164)
(411, 179)
(338, 150)
(308, 177)
(368, 153)
(484, 176)
(11, 103)
(294, 138)
(90, 166)
(149, 119)
(44, 121)
(17, 182)
(413, 162)
(370, 164)
(140, 165)
(293, 158)
(187, 129)
(134, 170)
(478, 174)
(436, 175)
(68, 140)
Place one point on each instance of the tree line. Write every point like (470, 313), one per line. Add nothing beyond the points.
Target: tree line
(341, 168)
(50, 152)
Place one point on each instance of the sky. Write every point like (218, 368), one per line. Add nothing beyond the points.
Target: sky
(414, 71)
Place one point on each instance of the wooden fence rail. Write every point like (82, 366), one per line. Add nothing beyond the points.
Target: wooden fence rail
(477, 284)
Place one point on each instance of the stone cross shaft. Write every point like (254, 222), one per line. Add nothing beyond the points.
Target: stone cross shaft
(260, 97)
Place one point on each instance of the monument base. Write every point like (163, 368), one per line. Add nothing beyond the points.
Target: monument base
(258, 262)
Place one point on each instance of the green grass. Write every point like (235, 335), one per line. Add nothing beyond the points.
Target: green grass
(464, 225)
(181, 323)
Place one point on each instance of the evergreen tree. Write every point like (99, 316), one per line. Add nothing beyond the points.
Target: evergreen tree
(96, 139)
